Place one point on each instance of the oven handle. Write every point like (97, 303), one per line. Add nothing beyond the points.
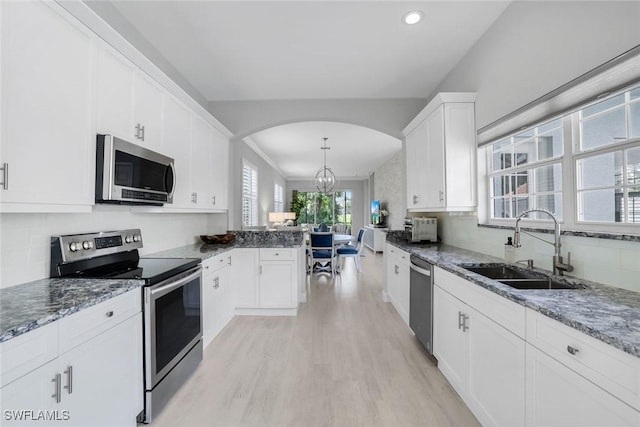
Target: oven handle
(171, 284)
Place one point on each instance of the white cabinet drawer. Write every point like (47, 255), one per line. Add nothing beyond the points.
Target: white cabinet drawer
(277, 254)
(216, 263)
(614, 370)
(27, 352)
(84, 325)
(507, 314)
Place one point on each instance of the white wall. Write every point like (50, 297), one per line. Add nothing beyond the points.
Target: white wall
(389, 188)
(267, 178)
(533, 48)
(25, 238)
(357, 188)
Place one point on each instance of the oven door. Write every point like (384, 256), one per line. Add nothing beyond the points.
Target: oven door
(173, 323)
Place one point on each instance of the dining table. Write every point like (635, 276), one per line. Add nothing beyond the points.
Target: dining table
(342, 239)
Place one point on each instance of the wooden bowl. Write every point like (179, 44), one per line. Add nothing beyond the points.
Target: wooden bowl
(218, 238)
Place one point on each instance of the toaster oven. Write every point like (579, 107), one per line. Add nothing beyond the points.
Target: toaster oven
(420, 229)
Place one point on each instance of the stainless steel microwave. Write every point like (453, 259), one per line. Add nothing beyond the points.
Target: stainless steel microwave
(129, 174)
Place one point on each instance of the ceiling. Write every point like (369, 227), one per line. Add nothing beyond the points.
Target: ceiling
(313, 50)
(355, 151)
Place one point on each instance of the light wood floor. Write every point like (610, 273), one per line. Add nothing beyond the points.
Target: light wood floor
(347, 359)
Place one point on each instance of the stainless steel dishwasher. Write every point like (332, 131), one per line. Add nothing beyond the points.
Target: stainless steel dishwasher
(421, 301)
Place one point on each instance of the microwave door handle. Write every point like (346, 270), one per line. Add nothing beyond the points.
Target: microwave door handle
(170, 170)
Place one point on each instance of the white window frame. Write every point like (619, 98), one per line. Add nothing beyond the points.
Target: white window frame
(572, 153)
(278, 198)
(250, 201)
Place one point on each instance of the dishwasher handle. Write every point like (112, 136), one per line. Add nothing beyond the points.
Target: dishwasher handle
(420, 270)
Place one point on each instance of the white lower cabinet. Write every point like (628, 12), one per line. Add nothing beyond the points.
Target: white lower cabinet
(97, 382)
(483, 361)
(266, 281)
(558, 396)
(397, 279)
(217, 296)
(514, 366)
(105, 375)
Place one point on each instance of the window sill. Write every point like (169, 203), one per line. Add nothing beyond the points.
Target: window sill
(590, 234)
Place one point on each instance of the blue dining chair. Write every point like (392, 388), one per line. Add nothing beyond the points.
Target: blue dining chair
(351, 251)
(322, 251)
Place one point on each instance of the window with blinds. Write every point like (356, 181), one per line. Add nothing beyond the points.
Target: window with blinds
(249, 194)
(278, 198)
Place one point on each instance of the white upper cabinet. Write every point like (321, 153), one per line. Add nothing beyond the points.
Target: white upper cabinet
(128, 102)
(147, 123)
(176, 143)
(115, 77)
(201, 153)
(440, 152)
(46, 145)
(219, 171)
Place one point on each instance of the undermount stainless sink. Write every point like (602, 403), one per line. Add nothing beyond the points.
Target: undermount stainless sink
(502, 271)
(518, 278)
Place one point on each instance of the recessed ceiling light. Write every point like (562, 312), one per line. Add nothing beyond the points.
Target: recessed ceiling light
(412, 17)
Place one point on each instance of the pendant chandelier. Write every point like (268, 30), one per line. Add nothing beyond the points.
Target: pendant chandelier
(325, 179)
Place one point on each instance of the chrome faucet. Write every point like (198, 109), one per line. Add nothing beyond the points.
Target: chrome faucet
(558, 266)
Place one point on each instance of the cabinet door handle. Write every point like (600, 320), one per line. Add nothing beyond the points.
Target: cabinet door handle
(109, 313)
(216, 283)
(396, 269)
(5, 176)
(572, 350)
(465, 326)
(57, 394)
(441, 195)
(213, 200)
(415, 199)
(69, 386)
(142, 138)
(460, 320)
(260, 269)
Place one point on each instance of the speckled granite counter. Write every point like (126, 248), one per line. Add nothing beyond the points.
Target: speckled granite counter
(244, 239)
(606, 313)
(26, 307)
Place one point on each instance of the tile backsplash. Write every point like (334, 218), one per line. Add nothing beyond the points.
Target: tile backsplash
(25, 238)
(612, 262)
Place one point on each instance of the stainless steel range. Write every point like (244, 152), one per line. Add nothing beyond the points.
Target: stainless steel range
(172, 303)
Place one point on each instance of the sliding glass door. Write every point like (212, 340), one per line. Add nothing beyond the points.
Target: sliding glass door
(317, 208)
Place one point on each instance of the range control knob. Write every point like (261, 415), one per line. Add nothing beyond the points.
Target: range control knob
(128, 239)
(74, 246)
(87, 244)
(137, 238)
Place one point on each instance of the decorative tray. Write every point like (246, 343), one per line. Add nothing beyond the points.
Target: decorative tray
(218, 238)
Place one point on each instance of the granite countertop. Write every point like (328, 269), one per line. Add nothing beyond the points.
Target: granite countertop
(26, 307)
(609, 314)
(244, 239)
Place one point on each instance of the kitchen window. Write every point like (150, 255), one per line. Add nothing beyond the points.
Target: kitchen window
(583, 166)
(249, 194)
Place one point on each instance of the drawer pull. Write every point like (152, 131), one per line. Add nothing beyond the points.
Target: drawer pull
(572, 350)
(109, 313)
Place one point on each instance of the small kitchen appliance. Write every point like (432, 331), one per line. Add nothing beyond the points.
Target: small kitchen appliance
(420, 229)
(129, 174)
